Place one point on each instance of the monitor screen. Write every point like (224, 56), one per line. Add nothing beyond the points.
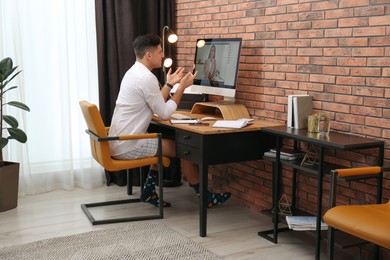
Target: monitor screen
(217, 61)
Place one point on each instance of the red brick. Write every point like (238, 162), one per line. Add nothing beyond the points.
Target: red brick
(285, 68)
(324, 24)
(298, 43)
(311, 34)
(297, 77)
(369, 31)
(370, 11)
(368, 91)
(275, 59)
(287, 84)
(323, 61)
(378, 122)
(337, 52)
(386, 72)
(382, 62)
(275, 10)
(274, 75)
(324, 42)
(376, 102)
(311, 86)
(379, 20)
(286, 52)
(380, 41)
(322, 78)
(366, 111)
(339, 13)
(265, 19)
(286, 18)
(368, 51)
(366, 131)
(299, 25)
(298, 60)
(331, 106)
(353, 42)
(354, 3)
(348, 99)
(310, 52)
(378, 82)
(356, 81)
(276, 26)
(353, 22)
(348, 118)
(352, 62)
(319, 15)
(365, 71)
(298, 8)
(335, 70)
(324, 5)
(345, 32)
(287, 34)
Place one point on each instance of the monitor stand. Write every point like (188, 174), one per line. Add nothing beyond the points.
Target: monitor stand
(228, 109)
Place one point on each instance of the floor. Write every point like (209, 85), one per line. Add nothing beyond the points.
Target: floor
(232, 229)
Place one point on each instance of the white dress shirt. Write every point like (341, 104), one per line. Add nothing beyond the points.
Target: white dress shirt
(139, 98)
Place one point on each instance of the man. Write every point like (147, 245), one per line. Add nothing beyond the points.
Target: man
(139, 98)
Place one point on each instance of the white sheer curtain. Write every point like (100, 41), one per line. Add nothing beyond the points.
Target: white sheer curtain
(54, 44)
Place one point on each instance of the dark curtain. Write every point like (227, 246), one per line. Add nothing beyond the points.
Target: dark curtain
(118, 23)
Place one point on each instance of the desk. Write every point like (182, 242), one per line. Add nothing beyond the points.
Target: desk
(332, 140)
(205, 145)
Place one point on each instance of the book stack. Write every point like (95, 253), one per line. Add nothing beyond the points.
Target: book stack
(302, 223)
(299, 107)
(285, 154)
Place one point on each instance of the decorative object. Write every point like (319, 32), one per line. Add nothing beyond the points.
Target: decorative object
(137, 240)
(324, 125)
(284, 206)
(311, 156)
(9, 171)
(313, 123)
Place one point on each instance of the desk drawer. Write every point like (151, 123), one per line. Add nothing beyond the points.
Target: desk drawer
(188, 138)
(188, 153)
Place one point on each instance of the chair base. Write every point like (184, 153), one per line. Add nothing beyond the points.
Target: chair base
(85, 208)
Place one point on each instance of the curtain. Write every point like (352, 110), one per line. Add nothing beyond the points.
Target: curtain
(54, 44)
(118, 23)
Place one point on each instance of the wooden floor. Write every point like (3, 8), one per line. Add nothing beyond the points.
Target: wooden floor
(232, 229)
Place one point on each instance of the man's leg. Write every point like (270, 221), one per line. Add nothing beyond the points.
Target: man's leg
(191, 172)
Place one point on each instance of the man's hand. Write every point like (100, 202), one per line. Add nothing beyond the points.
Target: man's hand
(188, 79)
(175, 77)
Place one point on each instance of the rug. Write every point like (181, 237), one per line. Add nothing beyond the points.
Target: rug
(136, 240)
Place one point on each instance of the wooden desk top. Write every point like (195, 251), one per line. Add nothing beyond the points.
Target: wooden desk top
(208, 129)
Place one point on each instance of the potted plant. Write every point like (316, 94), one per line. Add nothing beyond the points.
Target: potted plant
(9, 129)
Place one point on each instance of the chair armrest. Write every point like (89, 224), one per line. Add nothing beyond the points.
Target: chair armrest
(358, 171)
(138, 136)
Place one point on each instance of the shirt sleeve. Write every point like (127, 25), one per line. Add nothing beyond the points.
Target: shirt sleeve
(155, 100)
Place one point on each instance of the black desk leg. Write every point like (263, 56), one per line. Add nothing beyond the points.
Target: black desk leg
(203, 181)
(319, 202)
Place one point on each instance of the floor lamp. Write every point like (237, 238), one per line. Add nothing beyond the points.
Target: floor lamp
(172, 38)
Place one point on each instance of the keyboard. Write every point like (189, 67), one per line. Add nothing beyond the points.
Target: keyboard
(180, 116)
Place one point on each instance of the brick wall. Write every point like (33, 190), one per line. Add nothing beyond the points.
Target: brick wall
(338, 51)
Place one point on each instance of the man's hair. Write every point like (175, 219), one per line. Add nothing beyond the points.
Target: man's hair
(144, 43)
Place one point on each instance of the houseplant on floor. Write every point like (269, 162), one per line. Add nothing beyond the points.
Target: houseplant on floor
(9, 129)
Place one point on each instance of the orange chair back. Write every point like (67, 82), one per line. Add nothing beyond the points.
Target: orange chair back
(100, 150)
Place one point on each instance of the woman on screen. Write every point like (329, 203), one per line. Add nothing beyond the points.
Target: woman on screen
(210, 66)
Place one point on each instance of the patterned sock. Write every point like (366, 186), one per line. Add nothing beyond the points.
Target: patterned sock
(149, 193)
(213, 198)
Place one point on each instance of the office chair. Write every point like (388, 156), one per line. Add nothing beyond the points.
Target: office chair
(101, 153)
(368, 222)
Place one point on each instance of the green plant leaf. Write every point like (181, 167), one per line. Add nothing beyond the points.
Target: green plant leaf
(19, 105)
(12, 121)
(17, 134)
(3, 142)
(5, 65)
(9, 89)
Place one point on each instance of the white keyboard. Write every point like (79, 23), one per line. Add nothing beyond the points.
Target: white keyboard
(180, 116)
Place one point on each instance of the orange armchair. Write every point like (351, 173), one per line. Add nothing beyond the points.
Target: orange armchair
(100, 149)
(368, 222)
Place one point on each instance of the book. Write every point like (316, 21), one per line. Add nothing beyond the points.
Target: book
(285, 154)
(299, 107)
(239, 123)
(301, 223)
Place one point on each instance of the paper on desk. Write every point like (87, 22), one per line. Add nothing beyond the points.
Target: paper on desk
(240, 123)
(184, 121)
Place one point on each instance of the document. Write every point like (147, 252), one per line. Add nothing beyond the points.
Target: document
(239, 123)
(301, 223)
(184, 121)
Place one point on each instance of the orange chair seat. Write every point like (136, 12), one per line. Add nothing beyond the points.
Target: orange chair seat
(368, 222)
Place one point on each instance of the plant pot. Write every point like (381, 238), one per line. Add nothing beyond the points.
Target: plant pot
(9, 185)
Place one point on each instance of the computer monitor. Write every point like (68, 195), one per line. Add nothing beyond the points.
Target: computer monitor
(217, 61)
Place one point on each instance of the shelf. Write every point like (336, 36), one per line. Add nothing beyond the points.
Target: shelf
(342, 240)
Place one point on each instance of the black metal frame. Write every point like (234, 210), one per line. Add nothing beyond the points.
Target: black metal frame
(160, 215)
(332, 202)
